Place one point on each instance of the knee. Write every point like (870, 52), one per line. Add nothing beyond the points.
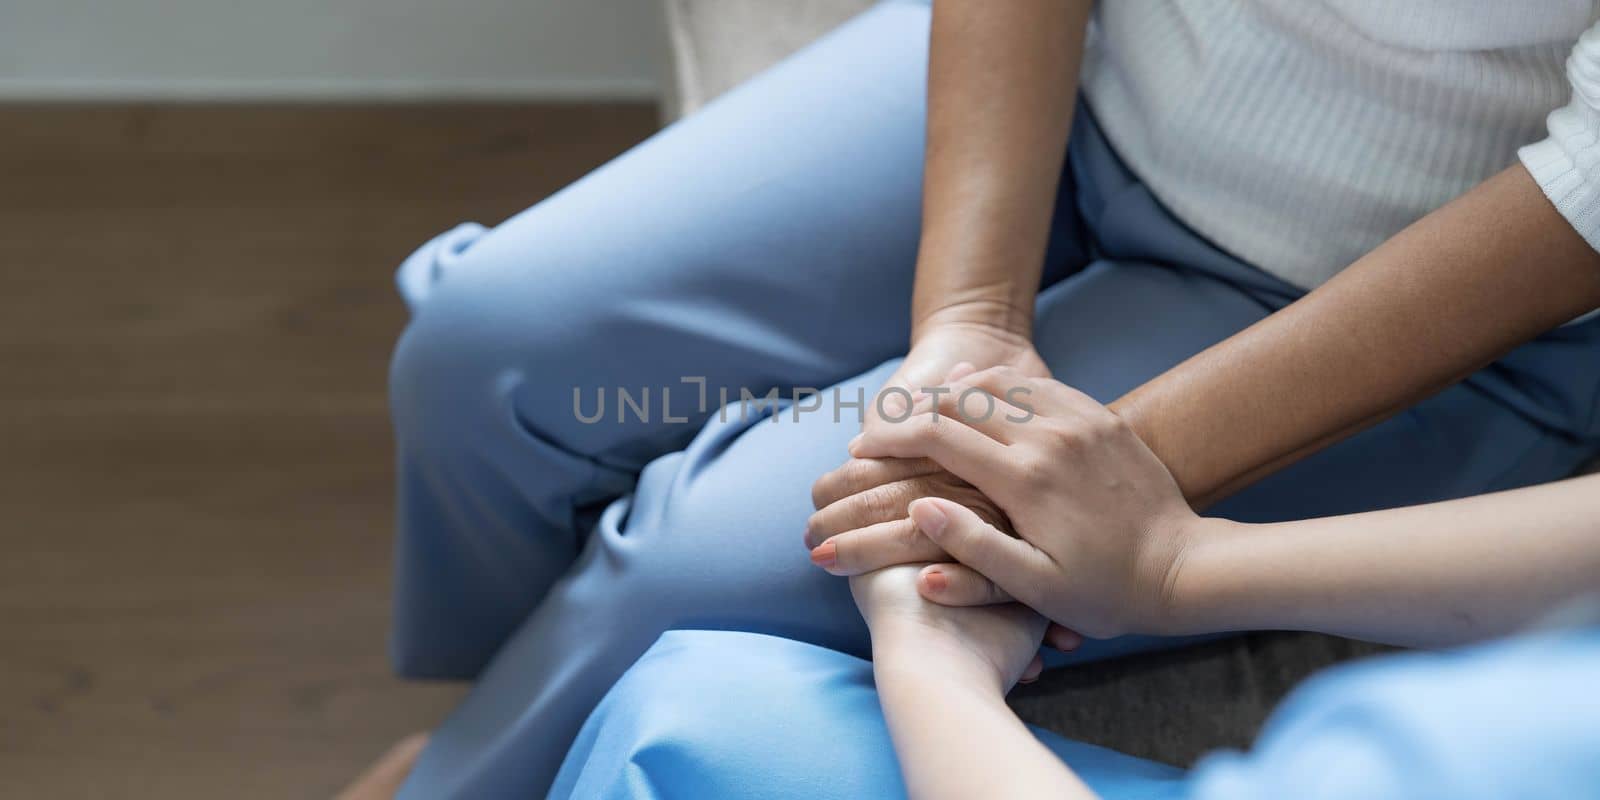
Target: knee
(440, 372)
(717, 713)
(482, 326)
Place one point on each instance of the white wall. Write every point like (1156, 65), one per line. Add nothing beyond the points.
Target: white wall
(327, 49)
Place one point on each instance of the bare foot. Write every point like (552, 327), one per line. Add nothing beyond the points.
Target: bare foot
(382, 780)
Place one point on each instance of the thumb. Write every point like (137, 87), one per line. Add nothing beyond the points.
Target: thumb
(1001, 558)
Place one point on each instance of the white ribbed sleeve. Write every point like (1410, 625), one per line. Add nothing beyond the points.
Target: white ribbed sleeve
(1567, 163)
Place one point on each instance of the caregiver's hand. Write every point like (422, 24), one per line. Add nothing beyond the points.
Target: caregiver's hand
(861, 521)
(1102, 524)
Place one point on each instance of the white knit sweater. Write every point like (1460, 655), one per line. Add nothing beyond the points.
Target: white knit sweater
(1300, 134)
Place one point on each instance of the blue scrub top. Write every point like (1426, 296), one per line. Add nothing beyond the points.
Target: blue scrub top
(1518, 718)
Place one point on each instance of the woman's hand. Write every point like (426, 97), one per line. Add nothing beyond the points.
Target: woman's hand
(861, 523)
(941, 342)
(992, 646)
(1102, 524)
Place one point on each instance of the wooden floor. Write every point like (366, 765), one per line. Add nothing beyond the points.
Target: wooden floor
(194, 455)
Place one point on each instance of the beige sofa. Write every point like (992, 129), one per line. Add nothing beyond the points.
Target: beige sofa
(1171, 706)
(718, 43)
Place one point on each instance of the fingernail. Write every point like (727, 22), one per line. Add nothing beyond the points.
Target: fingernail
(824, 555)
(930, 519)
(936, 580)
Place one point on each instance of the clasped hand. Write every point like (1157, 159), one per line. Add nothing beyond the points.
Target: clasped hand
(1040, 494)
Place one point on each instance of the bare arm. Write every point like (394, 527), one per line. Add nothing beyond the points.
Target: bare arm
(1428, 575)
(956, 737)
(1462, 286)
(1002, 80)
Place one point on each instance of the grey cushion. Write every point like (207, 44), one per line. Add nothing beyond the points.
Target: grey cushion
(1177, 705)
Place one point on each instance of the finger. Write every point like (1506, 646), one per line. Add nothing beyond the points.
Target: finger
(859, 474)
(867, 507)
(1064, 639)
(976, 408)
(1034, 669)
(966, 453)
(1011, 563)
(875, 547)
(1042, 396)
(959, 585)
(893, 400)
(889, 501)
(959, 371)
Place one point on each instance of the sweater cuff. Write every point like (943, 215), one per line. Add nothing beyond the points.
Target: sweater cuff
(1567, 168)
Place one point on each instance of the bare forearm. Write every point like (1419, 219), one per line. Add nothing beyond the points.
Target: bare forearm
(1002, 79)
(957, 739)
(1427, 575)
(1444, 297)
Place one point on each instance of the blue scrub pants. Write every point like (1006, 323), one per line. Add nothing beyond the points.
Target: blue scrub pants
(769, 242)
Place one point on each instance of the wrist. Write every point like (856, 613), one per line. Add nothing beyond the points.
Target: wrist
(999, 317)
(909, 652)
(934, 678)
(1198, 584)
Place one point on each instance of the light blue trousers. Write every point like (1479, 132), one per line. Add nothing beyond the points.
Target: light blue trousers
(769, 241)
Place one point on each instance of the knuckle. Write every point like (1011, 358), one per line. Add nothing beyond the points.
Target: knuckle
(860, 474)
(913, 542)
(882, 503)
(855, 473)
(1068, 437)
(926, 431)
(926, 486)
(904, 535)
(1034, 470)
(1102, 427)
(822, 491)
(993, 376)
(1116, 423)
(950, 408)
